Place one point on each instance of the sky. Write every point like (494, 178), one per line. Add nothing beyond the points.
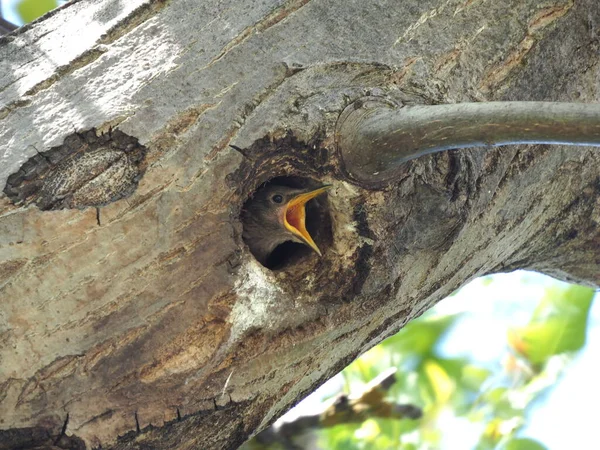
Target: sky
(563, 419)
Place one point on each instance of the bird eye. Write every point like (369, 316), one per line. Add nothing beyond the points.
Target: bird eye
(277, 198)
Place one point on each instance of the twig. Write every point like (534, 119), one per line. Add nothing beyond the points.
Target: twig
(370, 403)
(241, 151)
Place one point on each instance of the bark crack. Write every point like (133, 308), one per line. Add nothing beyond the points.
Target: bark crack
(269, 21)
(541, 20)
(128, 23)
(63, 430)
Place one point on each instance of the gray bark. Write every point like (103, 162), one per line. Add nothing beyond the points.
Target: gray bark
(137, 305)
(374, 136)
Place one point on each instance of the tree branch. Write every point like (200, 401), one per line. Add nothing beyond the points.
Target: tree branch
(375, 136)
(344, 410)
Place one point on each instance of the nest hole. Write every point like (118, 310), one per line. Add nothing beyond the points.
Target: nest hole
(287, 254)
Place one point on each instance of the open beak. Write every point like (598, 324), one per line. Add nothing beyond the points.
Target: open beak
(294, 216)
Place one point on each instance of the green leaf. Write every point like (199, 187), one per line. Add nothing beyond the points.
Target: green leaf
(421, 336)
(395, 428)
(558, 324)
(496, 395)
(32, 9)
(523, 444)
(473, 377)
(339, 437)
(441, 384)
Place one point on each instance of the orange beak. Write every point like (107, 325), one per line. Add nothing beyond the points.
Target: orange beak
(294, 216)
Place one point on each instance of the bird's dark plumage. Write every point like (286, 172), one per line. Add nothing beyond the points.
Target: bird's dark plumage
(274, 215)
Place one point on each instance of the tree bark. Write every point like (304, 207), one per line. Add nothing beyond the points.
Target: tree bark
(374, 138)
(133, 315)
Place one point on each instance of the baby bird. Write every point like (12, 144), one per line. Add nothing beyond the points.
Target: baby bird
(277, 214)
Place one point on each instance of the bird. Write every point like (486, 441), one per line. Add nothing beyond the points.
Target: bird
(276, 214)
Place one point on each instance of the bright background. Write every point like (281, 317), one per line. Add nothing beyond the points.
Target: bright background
(519, 405)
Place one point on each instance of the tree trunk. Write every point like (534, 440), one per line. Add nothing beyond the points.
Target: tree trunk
(133, 314)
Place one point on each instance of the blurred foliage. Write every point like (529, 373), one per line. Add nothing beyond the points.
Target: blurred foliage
(32, 9)
(29, 10)
(459, 393)
(558, 325)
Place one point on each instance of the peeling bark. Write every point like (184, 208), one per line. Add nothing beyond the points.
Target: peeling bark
(146, 321)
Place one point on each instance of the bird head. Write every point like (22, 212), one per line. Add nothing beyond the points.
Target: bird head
(277, 214)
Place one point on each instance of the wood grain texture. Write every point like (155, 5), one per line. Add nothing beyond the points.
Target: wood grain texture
(136, 315)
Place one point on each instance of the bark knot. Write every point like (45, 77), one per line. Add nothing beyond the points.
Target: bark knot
(87, 170)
